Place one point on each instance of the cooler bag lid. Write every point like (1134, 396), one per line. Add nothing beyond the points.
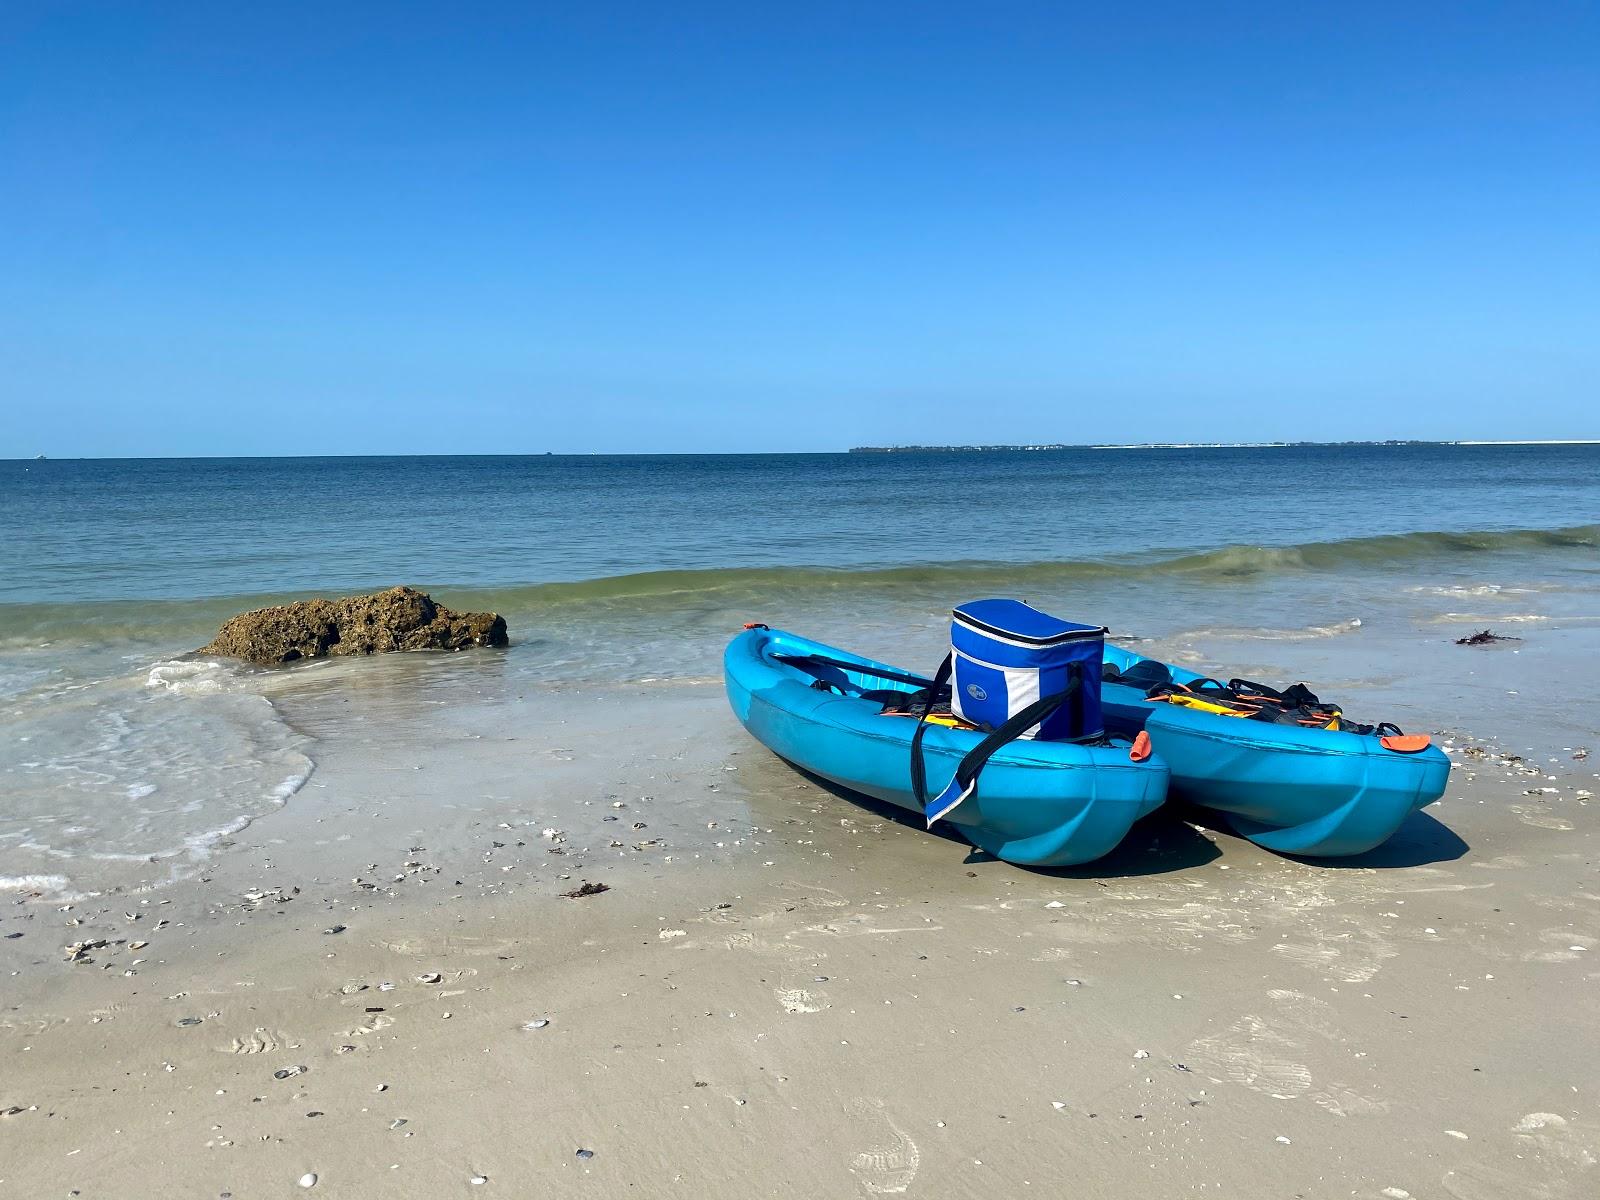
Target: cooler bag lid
(1018, 622)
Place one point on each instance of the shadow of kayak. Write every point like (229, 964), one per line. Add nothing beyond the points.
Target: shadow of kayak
(1156, 845)
(1420, 841)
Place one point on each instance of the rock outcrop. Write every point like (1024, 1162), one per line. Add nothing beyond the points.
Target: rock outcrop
(401, 618)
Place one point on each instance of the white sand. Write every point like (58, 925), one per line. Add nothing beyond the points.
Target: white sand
(869, 1014)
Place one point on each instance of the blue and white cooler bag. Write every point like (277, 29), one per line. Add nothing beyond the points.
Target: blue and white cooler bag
(1008, 654)
(1006, 658)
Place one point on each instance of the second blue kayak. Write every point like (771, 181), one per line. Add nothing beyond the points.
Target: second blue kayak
(1302, 791)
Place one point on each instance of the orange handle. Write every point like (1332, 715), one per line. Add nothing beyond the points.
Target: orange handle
(1405, 743)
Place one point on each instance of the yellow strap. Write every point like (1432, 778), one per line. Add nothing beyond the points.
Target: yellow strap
(944, 719)
(1184, 701)
(1189, 700)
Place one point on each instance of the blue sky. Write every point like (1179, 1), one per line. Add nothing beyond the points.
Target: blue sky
(405, 228)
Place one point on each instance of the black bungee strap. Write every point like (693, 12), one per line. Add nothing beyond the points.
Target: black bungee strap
(822, 660)
(965, 780)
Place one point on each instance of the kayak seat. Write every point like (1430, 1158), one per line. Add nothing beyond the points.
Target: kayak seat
(831, 679)
(1145, 674)
(889, 697)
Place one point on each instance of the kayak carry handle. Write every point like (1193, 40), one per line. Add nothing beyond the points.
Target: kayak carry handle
(1405, 743)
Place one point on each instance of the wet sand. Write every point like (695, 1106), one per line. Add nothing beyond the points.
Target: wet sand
(785, 992)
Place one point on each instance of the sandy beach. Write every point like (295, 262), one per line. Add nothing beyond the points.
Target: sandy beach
(462, 468)
(788, 992)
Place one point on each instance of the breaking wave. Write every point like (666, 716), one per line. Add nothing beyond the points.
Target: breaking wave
(1263, 634)
(194, 621)
(124, 781)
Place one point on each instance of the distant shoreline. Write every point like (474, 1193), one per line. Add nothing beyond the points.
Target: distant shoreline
(907, 449)
(1215, 445)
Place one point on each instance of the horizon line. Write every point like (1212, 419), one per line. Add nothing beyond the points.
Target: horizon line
(1030, 447)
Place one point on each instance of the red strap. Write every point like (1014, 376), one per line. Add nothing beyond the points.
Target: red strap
(1140, 750)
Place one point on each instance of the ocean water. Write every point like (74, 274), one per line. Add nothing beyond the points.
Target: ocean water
(124, 763)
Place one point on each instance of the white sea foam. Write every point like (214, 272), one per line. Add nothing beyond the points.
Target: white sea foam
(129, 781)
(1455, 618)
(33, 883)
(193, 678)
(291, 784)
(1471, 589)
(201, 844)
(1305, 633)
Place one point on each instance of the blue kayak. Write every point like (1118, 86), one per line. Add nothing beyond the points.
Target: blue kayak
(1303, 791)
(1044, 804)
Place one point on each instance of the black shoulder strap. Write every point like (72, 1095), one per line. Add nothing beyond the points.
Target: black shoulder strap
(919, 776)
(966, 776)
(1251, 687)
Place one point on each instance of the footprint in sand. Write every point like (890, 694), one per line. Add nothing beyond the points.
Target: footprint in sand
(1540, 816)
(748, 941)
(1502, 862)
(1264, 1054)
(789, 904)
(889, 1161)
(33, 1025)
(1564, 945)
(262, 1041)
(430, 947)
(477, 946)
(1553, 1161)
(1552, 1136)
(860, 925)
(814, 897)
(372, 1024)
(798, 1000)
(1253, 1053)
(1351, 954)
(407, 945)
(1052, 954)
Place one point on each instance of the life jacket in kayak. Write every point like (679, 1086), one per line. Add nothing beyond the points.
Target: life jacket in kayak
(1294, 705)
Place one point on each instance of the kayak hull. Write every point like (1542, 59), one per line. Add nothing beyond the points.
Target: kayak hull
(1311, 792)
(1041, 804)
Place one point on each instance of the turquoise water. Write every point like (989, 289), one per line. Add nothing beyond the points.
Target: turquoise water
(126, 762)
(106, 530)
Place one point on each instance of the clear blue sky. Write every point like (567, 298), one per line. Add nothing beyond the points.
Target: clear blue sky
(393, 228)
